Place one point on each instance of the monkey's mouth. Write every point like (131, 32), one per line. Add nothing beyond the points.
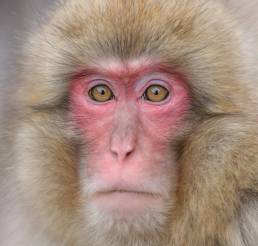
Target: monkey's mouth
(118, 191)
(125, 201)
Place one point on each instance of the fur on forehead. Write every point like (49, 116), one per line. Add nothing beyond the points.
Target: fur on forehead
(187, 35)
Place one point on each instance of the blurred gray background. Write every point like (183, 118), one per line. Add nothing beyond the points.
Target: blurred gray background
(15, 18)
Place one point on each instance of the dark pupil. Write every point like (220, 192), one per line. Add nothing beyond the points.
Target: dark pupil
(155, 91)
(102, 91)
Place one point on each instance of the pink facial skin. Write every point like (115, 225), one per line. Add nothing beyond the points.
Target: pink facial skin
(128, 137)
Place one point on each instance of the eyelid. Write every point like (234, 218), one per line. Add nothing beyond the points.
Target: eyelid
(94, 82)
(99, 81)
(162, 82)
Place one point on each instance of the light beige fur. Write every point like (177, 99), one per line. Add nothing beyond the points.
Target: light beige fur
(215, 203)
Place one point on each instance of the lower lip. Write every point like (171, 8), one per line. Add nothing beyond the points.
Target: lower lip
(124, 202)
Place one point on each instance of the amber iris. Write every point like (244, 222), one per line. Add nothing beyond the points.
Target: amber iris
(101, 93)
(156, 93)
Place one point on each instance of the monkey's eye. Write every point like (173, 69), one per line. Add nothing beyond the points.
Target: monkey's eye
(101, 93)
(156, 93)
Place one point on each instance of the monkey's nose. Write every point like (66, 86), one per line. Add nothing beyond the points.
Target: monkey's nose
(122, 149)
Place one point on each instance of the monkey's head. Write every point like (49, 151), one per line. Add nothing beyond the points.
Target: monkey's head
(110, 93)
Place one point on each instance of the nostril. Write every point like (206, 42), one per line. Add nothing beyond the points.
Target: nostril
(115, 154)
(128, 153)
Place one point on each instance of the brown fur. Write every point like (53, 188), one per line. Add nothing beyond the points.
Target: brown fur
(217, 160)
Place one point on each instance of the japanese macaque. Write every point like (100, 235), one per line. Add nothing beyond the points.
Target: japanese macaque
(135, 124)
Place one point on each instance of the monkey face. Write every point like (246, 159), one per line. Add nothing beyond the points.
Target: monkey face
(127, 116)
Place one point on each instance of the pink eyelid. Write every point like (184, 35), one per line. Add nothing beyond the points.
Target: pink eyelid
(95, 82)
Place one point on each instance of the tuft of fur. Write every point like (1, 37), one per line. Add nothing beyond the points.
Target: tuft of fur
(216, 199)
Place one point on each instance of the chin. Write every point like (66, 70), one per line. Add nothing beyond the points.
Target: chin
(124, 218)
